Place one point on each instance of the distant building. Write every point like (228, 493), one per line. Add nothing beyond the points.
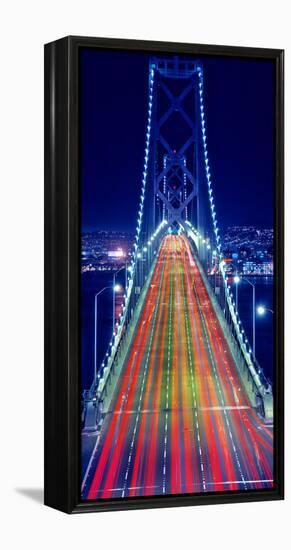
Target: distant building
(119, 253)
(105, 250)
(250, 248)
(262, 268)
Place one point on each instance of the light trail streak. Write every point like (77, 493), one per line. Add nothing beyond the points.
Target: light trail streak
(180, 420)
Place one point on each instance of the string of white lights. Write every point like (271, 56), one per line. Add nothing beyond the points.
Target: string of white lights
(132, 268)
(145, 172)
(240, 333)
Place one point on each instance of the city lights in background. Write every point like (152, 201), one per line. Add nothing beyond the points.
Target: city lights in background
(119, 253)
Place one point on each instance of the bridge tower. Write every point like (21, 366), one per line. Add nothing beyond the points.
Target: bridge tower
(178, 170)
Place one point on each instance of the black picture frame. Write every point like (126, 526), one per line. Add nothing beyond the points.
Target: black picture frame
(62, 268)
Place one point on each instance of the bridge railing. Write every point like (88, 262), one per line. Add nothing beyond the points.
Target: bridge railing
(138, 278)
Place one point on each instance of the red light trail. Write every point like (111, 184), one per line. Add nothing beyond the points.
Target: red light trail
(180, 420)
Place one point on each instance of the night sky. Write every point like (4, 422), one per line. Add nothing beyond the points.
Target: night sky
(238, 97)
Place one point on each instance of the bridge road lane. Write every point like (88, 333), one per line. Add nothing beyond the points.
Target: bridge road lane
(128, 393)
(180, 421)
(251, 455)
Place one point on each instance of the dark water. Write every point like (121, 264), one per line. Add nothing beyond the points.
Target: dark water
(92, 282)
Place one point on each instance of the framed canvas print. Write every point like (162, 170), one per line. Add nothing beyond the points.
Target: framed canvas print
(163, 274)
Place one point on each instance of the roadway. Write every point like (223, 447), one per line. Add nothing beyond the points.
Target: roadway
(179, 421)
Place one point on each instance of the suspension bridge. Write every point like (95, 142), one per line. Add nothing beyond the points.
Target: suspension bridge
(179, 404)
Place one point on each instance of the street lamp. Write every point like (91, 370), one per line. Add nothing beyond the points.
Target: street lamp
(236, 280)
(95, 331)
(261, 310)
(254, 315)
(139, 269)
(150, 251)
(117, 288)
(146, 250)
(208, 256)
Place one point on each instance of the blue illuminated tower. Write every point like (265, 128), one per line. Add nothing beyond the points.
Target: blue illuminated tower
(178, 166)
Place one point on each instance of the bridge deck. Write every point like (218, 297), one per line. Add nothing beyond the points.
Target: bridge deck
(180, 421)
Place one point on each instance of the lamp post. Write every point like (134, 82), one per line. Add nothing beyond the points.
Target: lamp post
(237, 280)
(116, 288)
(261, 310)
(145, 251)
(139, 269)
(254, 315)
(95, 331)
(126, 282)
(214, 267)
(150, 252)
